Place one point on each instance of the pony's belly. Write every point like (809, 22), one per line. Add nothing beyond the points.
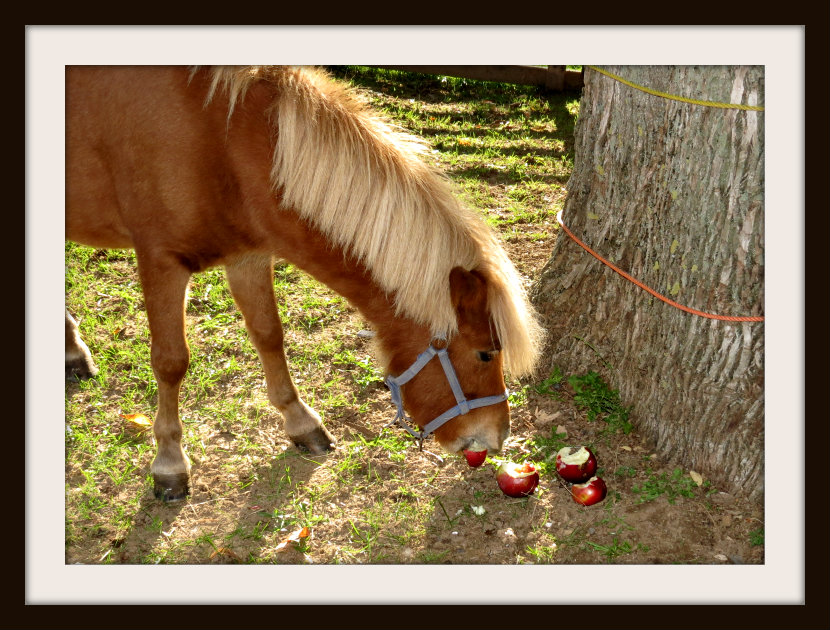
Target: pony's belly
(92, 204)
(97, 229)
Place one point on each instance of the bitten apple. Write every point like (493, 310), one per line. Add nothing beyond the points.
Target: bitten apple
(576, 464)
(590, 492)
(517, 480)
(475, 458)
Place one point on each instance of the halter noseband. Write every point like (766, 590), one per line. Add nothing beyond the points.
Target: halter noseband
(462, 407)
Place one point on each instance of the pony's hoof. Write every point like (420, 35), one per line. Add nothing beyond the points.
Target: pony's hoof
(80, 369)
(171, 488)
(317, 442)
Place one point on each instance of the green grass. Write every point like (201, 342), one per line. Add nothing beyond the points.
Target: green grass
(615, 549)
(508, 148)
(599, 401)
(671, 486)
(625, 471)
(592, 395)
(542, 451)
(544, 553)
(552, 385)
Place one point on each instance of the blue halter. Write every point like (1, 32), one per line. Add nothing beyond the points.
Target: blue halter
(462, 407)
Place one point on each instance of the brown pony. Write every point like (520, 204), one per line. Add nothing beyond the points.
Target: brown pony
(238, 166)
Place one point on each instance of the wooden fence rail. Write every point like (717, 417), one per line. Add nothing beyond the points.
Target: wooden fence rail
(550, 77)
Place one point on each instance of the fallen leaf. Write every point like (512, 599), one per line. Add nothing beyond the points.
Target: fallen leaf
(626, 448)
(224, 551)
(139, 418)
(561, 430)
(696, 477)
(544, 418)
(295, 537)
(137, 422)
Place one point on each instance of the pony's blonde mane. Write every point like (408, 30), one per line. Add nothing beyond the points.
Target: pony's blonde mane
(367, 188)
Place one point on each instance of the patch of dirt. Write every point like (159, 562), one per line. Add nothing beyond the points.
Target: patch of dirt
(423, 505)
(369, 502)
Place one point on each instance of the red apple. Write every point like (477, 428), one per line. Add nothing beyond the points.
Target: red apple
(576, 464)
(590, 492)
(517, 480)
(475, 458)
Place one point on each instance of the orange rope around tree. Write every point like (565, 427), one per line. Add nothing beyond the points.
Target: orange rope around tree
(727, 318)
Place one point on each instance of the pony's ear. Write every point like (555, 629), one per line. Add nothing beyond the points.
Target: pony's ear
(468, 290)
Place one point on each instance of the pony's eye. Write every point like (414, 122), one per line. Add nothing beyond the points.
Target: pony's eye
(485, 356)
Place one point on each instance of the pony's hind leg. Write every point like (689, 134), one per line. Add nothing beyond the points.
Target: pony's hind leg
(164, 282)
(78, 362)
(251, 283)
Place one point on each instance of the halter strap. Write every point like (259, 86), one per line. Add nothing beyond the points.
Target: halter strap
(462, 407)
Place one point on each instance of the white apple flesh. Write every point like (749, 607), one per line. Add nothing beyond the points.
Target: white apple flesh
(576, 464)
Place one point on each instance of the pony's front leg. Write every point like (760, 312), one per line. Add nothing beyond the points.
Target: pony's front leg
(78, 361)
(164, 282)
(251, 283)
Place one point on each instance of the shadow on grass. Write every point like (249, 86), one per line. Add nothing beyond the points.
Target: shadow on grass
(219, 514)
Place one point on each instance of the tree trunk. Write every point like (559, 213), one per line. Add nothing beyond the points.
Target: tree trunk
(672, 193)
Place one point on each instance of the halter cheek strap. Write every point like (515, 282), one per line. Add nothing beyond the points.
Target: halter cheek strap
(463, 406)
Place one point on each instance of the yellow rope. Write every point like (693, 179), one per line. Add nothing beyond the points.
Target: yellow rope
(678, 98)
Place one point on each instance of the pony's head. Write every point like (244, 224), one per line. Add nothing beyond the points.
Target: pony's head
(370, 191)
(466, 384)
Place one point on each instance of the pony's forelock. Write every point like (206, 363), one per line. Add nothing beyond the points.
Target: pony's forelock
(365, 186)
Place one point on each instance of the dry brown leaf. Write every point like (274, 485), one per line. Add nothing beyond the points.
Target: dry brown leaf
(224, 551)
(696, 477)
(544, 418)
(295, 537)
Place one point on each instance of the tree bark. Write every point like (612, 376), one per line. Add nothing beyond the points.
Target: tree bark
(672, 193)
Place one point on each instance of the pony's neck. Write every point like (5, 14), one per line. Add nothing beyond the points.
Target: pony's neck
(308, 249)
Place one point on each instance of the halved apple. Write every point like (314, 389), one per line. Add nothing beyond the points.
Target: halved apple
(591, 492)
(576, 464)
(517, 480)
